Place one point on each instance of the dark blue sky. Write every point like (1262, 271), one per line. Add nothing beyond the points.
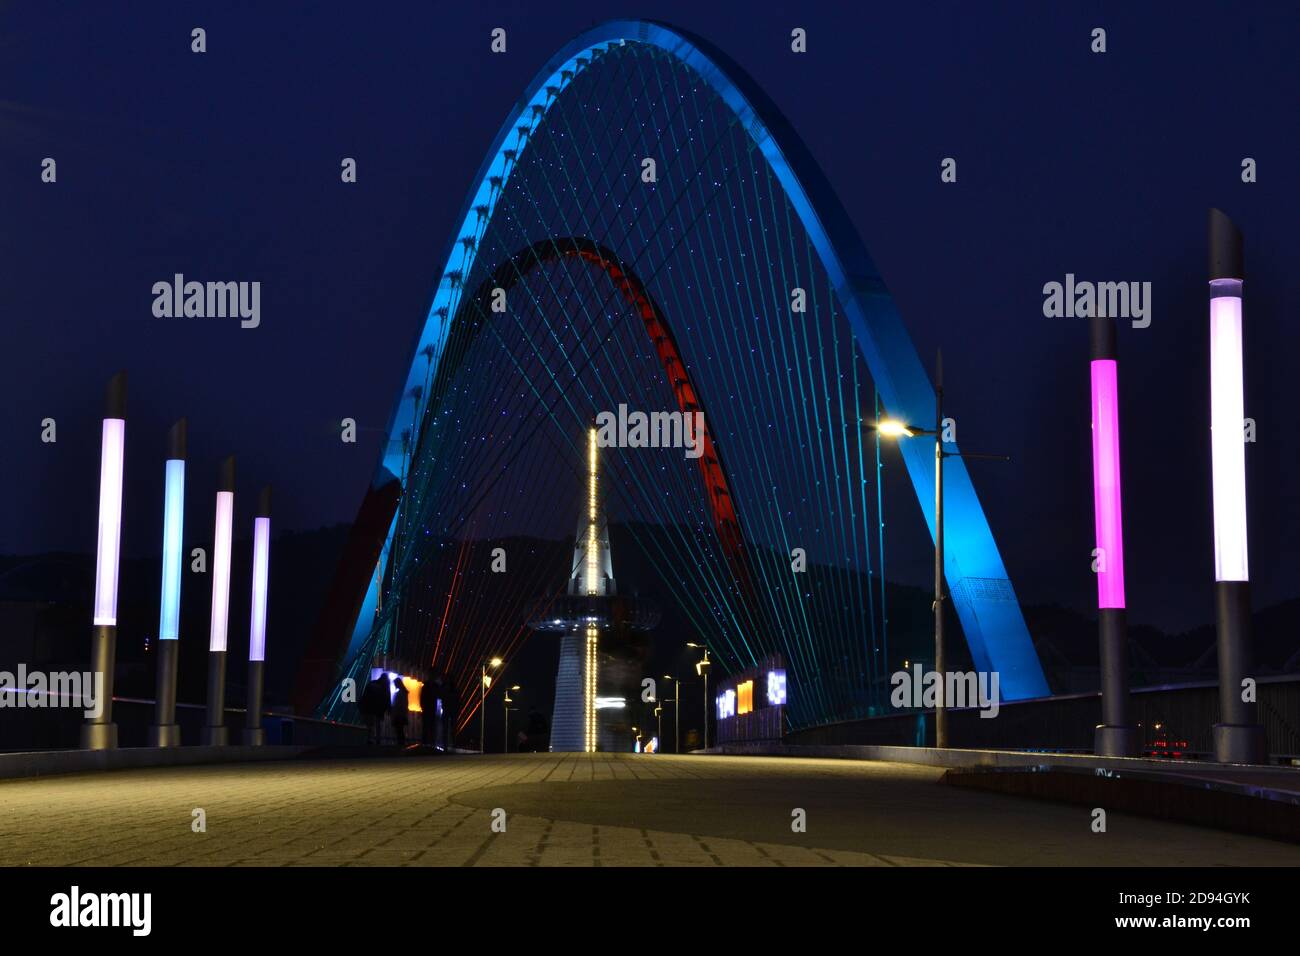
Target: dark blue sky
(226, 166)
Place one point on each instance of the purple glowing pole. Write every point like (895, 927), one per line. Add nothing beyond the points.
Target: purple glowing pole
(1115, 736)
(253, 732)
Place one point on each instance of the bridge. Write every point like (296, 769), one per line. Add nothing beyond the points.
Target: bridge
(647, 232)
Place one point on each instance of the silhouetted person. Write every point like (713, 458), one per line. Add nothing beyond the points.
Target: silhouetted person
(397, 713)
(373, 705)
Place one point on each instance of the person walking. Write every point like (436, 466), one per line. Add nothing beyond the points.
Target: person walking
(374, 704)
(399, 710)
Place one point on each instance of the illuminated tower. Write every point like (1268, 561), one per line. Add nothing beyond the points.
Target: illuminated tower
(589, 606)
(591, 576)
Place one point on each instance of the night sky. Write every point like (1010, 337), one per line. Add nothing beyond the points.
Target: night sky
(225, 166)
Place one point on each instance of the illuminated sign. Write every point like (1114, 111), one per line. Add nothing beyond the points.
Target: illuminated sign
(745, 697)
(726, 704)
(776, 687)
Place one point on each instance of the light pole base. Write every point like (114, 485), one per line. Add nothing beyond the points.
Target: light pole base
(254, 738)
(1239, 743)
(215, 736)
(165, 735)
(1115, 741)
(99, 736)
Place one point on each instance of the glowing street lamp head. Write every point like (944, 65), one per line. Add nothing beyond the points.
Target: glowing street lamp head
(495, 662)
(112, 460)
(1107, 507)
(107, 553)
(261, 574)
(173, 530)
(891, 428)
(1227, 400)
(221, 543)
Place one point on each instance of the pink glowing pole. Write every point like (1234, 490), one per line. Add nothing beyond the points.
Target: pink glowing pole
(1106, 485)
(1115, 736)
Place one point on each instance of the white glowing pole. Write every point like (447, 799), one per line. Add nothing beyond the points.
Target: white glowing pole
(1238, 737)
(99, 732)
(254, 735)
(165, 732)
(215, 733)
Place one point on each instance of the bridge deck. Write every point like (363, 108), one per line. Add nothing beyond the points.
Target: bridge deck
(577, 810)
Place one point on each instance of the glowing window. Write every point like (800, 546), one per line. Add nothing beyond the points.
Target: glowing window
(745, 697)
(776, 687)
(726, 704)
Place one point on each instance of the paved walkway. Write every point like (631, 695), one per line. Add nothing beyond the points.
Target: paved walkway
(574, 810)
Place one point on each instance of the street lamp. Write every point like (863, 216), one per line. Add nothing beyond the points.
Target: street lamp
(895, 429)
(165, 732)
(508, 701)
(215, 734)
(1114, 736)
(659, 714)
(99, 732)
(1238, 737)
(254, 734)
(702, 668)
(482, 701)
(677, 712)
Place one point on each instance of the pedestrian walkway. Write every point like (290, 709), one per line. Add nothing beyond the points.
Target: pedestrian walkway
(574, 810)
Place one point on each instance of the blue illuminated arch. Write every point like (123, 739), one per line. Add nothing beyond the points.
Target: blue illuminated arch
(981, 592)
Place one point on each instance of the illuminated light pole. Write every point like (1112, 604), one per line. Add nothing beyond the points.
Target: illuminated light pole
(1115, 736)
(99, 732)
(484, 683)
(215, 733)
(165, 732)
(508, 701)
(254, 735)
(702, 668)
(677, 712)
(1238, 737)
(895, 429)
(659, 715)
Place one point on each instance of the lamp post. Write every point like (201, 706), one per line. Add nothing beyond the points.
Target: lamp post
(891, 428)
(508, 702)
(166, 732)
(99, 732)
(1115, 736)
(254, 735)
(482, 702)
(677, 713)
(659, 714)
(702, 668)
(215, 733)
(1238, 737)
